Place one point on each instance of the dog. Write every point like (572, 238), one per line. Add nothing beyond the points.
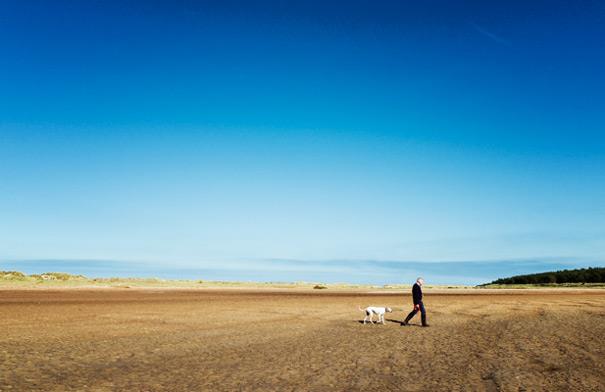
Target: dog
(375, 310)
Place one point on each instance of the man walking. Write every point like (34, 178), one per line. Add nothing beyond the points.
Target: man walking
(418, 305)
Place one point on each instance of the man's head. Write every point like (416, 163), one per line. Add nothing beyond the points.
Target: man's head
(420, 281)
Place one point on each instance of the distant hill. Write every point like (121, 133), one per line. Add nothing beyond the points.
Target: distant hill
(581, 275)
(16, 275)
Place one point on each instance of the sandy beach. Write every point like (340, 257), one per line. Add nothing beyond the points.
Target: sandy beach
(258, 339)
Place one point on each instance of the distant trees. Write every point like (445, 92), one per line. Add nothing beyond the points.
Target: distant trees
(581, 275)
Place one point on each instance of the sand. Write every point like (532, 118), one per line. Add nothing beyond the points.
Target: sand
(286, 340)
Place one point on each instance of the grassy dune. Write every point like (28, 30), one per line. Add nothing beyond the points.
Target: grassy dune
(16, 279)
(13, 279)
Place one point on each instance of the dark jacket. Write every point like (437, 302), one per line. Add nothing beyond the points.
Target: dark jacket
(417, 294)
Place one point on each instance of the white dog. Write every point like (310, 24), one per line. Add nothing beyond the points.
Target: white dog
(372, 310)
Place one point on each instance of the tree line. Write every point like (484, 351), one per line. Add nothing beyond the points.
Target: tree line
(581, 275)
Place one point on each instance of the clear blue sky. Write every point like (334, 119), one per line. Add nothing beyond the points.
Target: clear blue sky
(289, 139)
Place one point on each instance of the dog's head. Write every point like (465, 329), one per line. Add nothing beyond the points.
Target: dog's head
(389, 310)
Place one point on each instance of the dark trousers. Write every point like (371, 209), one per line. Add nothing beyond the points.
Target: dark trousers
(413, 313)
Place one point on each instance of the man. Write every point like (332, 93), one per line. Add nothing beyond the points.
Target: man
(418, 305)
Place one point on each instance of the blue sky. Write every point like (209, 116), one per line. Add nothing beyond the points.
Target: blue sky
(330, 136)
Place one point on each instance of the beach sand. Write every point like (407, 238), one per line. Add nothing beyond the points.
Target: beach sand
(243, 339)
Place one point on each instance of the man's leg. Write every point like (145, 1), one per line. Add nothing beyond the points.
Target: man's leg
(423, 315)
(409, 317)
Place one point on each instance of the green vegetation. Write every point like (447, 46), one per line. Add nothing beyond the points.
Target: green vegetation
(544, 286)
(575, 277)
(12, 275)
(58, 276)
(49, 276)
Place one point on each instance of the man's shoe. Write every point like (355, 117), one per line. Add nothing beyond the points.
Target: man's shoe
(404, 324)
(423, 320)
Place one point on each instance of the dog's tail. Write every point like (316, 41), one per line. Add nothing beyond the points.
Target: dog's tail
(360, 309)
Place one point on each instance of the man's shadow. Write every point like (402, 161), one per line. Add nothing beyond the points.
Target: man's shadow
(376, 322)
(398, 322)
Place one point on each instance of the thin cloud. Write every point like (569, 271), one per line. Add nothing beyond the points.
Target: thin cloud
(491, 35)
